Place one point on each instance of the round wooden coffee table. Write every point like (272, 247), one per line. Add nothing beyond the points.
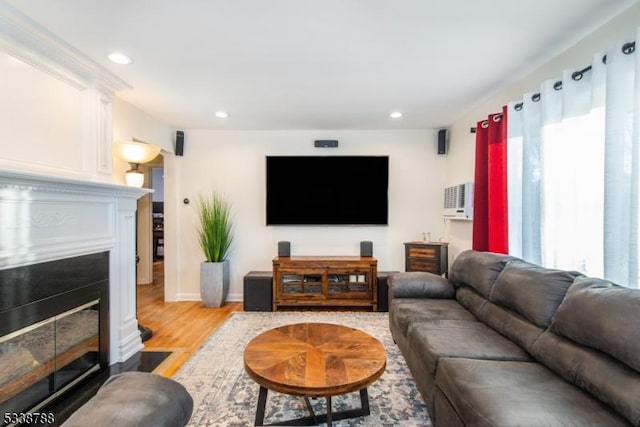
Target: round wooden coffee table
(315, 360)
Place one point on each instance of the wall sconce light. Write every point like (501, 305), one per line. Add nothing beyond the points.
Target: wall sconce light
(134, 177)
(135, 152)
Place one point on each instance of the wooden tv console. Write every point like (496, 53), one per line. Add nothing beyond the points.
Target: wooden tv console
(325, 281)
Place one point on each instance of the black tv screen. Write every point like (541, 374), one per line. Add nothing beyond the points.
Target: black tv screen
(327, 190)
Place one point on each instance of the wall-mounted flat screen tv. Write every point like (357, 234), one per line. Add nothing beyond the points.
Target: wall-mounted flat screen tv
(327, 190)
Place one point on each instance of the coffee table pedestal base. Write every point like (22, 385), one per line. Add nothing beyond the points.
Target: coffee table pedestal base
(315, 419)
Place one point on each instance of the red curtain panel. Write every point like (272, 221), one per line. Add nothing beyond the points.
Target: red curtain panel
(480, 241)
(490, 221)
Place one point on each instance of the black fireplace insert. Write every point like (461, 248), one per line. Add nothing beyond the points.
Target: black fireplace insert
(54, 328)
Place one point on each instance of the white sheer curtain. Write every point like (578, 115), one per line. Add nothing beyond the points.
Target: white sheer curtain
(621, 179)
(572, 159)
(574, 170)
(524, 125)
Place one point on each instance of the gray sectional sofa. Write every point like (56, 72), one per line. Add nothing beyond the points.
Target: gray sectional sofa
(503, 342)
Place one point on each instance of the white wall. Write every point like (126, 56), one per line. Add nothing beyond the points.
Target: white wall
(30, 96)
(131, 122)
(233, 162)
(461, 155)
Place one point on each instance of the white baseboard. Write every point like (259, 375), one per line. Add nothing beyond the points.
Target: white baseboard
(235, 297)
(196, 297)
(188, 297)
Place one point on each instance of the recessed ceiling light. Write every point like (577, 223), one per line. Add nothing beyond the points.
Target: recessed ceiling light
(395, 115)
(221, 114)
(120, 58)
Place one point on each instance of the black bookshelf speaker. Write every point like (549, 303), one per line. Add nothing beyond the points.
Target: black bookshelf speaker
(366, 248)
(284, 249)
(442, 141)
(179, 143)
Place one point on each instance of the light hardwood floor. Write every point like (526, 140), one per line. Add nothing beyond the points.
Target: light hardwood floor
(179, 327)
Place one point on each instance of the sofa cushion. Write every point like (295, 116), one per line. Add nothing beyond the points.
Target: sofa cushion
(478, 270)
(404, 311)
(459, 338)
(602, 376)
(419, 284)
(510, 324)
(534, 292)
(470, 300)
(602, 315)
(502, 393)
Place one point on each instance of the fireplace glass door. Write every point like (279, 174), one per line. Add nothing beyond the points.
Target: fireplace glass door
(42, 359)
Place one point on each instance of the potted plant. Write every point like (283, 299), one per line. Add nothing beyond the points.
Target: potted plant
(215, 237)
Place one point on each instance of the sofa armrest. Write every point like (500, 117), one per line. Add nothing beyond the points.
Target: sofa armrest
(419, 284)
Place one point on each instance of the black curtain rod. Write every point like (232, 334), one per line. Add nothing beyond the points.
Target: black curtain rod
(627, 49)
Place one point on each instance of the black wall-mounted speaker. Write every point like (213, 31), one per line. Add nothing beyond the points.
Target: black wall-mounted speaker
(442, 141)
(284, 249)
(326, 143)
(179, 143)
(366, 248)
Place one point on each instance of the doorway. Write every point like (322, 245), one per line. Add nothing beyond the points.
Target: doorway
(156, 175)
(157, 202)
(150, 236)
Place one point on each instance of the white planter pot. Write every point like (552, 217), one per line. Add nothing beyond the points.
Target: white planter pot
(214, 283)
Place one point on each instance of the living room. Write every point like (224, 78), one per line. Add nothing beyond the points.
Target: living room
(234, 164)
(230, 158)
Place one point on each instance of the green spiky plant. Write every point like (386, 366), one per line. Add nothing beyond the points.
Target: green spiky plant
(215, 233)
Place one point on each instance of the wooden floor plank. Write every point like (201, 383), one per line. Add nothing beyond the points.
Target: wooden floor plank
(181, 327)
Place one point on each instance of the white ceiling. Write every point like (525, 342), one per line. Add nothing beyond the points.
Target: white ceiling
(318, 64)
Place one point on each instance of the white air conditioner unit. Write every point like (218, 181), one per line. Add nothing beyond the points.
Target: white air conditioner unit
(458, 201)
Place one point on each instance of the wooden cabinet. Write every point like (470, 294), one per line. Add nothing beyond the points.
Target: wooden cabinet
(315, 281)
(427, 256)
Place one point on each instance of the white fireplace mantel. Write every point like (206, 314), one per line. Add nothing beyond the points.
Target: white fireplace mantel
(44, 218)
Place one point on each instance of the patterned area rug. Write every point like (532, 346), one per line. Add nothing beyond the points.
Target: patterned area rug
(224, 395)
